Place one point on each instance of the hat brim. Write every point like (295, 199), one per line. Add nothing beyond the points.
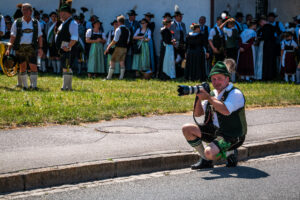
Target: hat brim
(215, 73)
(149, 15)
(178, 15)
(132, 14)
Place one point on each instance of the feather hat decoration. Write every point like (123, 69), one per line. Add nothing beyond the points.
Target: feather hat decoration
(177, 11)
(132, 12)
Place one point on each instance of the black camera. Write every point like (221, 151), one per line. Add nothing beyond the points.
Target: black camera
(187, 90)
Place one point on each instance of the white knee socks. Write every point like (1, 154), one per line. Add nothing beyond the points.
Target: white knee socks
(110, 73)
(19, 80)
(33, 79)
(122, 72)
(67, 81)
(24, 79)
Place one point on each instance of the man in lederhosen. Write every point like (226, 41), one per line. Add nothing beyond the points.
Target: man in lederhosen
(121, 41)
(66, 39)
(26, 39)
(179, 29)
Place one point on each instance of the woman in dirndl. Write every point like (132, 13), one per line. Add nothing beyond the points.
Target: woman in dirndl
(167, 57)
(141, 58)
(110, 36)
(246, 55)
(96, 38)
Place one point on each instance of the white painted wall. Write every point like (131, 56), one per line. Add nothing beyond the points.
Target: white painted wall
(285, 9)
(244, 6)
(109, 9)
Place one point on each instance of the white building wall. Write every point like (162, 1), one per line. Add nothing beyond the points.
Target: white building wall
(234, 6)
(107, 10)
(285, 9)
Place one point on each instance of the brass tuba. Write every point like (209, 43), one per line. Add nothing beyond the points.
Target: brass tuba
(8, 63)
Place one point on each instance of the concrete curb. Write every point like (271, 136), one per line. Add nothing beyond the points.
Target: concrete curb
(83, 172)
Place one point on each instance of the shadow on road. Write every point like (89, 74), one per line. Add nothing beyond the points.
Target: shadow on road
(237, 172)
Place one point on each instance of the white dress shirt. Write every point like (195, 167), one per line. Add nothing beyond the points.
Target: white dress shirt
(73, 29)
(118, 34)
(26, 37)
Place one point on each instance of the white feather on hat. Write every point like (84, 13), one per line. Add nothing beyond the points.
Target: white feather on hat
(176, 8)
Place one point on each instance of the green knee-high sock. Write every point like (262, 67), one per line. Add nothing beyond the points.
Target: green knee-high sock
(198, 145)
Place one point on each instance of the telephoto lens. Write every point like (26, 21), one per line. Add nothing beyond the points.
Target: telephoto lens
(188, 90)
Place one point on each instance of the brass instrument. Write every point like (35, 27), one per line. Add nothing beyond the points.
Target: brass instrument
(9, 66)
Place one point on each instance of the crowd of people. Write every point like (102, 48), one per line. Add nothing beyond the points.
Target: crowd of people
(263, 48)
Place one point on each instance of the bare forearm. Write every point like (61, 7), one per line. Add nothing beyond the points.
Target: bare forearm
(211, 44)
(89, 41)
(198, 111)
(11, 41)
(111, 44)
(72, 43)
(40, 41)
(218, 105)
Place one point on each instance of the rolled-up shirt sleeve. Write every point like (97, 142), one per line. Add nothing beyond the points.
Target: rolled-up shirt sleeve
(13, 31)
(40, 33)
(74, 30)
(212, 33)
(88, 33)
(117, 35)
(234, 101)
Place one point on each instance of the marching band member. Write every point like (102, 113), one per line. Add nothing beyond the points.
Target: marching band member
(26, 38)
(66, 39)
(121, 40)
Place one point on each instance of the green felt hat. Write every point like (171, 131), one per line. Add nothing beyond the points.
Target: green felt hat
(66, 8)
(219, 68)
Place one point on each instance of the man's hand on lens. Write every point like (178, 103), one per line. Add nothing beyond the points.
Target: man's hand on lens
(203, 95)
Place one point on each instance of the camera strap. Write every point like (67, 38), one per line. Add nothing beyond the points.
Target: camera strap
(194, 117)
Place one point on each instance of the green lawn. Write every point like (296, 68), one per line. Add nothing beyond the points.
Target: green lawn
(93, 99)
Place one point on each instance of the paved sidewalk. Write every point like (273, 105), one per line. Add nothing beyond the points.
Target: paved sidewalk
(32, 148)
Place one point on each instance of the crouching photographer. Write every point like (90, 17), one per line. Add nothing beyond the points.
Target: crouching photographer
(225, 127)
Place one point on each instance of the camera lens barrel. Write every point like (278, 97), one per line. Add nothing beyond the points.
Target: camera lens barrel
(188, 90)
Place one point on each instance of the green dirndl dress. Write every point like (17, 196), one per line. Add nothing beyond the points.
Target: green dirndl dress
(96, 56)
(141, 62)
(96, 59)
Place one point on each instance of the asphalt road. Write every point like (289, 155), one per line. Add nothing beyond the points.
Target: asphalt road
(275, 177)
(31, 148)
